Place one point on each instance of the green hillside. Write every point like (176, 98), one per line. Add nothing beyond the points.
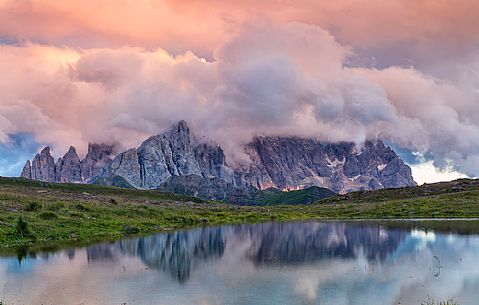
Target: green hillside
(274, 196)
(48, 214)
(459, 187)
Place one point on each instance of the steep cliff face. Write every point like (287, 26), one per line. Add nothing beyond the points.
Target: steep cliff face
(172, 160)
(292, 163)
(98, 156)
(68, 168)
(27, 170)
(171, 154)
(212, 162)
(42, 167)
(175, 161)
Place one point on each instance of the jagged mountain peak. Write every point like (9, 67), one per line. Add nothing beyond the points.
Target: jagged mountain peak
(72, 152)
(181, 126)
(178, 133)
(45, 151)
(42, 166)
(68, 168)
(27, 170)
(286, 163)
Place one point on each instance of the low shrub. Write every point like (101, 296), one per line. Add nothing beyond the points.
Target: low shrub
(56, 206)
(48, 215)
(130, 230)
(33, 207)
(22, 227)
(80, 207)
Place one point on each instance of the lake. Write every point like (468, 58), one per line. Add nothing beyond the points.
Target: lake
(327, 263)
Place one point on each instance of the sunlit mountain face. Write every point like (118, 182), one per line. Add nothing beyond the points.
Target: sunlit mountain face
(118, 72)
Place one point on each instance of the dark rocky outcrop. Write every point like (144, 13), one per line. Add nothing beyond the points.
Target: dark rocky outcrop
(176, 161)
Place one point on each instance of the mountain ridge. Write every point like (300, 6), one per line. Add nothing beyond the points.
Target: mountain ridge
(174, 160)
(68, 168)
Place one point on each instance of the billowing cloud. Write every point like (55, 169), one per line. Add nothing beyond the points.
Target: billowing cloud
(426, 172)
(437, 116)
(265, 77)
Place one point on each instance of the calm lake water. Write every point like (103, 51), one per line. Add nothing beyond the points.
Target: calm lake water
(274, 263)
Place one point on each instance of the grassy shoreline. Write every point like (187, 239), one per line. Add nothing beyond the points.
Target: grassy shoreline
(66, 214)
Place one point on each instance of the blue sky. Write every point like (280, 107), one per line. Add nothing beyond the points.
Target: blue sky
(14, 154)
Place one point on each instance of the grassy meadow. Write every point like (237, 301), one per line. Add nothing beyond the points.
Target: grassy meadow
(38, 214)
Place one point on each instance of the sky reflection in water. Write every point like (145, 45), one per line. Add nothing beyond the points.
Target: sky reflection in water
(274, 263)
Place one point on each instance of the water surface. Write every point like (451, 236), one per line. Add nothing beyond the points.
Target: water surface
(274, 263)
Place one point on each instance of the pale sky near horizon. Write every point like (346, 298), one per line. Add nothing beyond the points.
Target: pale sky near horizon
(403, 71)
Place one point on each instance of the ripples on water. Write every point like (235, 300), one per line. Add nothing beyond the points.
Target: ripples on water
(273, 263)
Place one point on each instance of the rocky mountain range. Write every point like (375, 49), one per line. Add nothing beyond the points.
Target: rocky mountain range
(176, 161)
(68, 168)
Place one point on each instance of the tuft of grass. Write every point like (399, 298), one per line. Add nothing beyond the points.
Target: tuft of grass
(33, 207)
(48, 215)
(76, 214)
(56, 206)
(82, 208)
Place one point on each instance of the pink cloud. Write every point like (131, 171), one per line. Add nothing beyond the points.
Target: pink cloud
(270, 78)
(413, 28)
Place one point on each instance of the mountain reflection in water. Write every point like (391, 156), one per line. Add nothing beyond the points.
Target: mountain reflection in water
(327, 263)
(288, 243)
(272, 243)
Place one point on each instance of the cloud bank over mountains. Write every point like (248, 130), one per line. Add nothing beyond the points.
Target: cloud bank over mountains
(263, 76)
